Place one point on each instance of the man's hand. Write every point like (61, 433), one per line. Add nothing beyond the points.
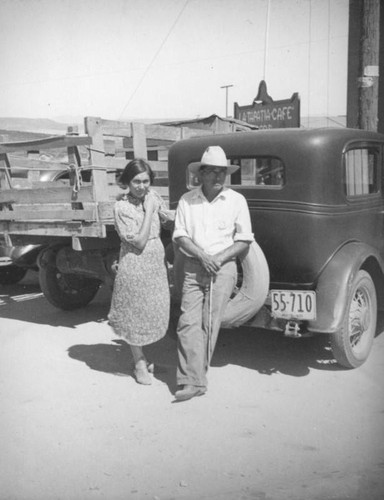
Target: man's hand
(211, 263)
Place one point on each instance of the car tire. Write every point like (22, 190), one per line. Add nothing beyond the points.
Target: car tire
(253, 290)
(352, 344)
(65, 291)
(9, 275)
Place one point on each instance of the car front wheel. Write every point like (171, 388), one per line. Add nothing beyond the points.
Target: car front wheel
(352, 344)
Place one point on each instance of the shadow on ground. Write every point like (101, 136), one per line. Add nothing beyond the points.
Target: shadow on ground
(25, 302)
(267, 352)
(270, 352)
(264, 351)
(116, 358)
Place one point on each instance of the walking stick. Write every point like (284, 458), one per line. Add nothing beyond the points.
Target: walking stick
(210, 319)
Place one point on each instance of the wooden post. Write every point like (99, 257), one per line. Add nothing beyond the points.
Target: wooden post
(93, 128)
(5, 172)
(74, 161)
(139, 141)
(363, 64)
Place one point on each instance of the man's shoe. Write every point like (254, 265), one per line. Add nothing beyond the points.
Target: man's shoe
(189, 392)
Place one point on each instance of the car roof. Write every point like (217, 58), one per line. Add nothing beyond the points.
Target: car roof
(312, 158)
(281, 138)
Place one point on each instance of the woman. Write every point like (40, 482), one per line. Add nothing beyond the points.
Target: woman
(140, 301)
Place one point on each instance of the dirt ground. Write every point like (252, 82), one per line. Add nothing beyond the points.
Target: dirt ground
(280, 420)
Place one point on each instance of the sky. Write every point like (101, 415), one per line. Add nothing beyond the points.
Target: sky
(168, 59)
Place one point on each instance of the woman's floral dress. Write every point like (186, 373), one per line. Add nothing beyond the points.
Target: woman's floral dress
(140, 304)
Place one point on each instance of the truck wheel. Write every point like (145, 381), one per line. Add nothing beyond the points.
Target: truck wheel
(352, 344)
(66, 291)
(9, 275)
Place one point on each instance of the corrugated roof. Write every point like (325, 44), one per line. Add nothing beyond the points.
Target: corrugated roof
(210, 119)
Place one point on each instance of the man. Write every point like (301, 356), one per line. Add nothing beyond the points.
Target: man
(212, 227)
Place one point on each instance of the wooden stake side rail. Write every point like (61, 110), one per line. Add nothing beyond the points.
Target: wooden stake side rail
(115, 163)
(78, 198)
(53, 142)
(152, 131)
(52, 229)
(46, 192)
(58, 214)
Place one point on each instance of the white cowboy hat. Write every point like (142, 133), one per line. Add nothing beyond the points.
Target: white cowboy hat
(213, 156)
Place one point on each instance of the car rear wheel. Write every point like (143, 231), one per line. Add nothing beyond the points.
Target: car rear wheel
(352, 344)
(63, 290)
(11, 274)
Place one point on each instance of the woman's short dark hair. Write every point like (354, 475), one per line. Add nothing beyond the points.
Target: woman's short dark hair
(133, 168)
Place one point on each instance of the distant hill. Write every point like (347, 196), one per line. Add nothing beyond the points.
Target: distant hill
(7, 135)
(42, 125)
(26, 129)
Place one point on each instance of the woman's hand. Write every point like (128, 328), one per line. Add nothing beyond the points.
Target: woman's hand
(150, 203)
(167, 215)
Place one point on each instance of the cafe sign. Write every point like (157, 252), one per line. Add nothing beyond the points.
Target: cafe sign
(264, 112)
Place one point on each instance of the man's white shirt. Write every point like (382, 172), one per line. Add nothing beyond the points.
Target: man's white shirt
(216, 225)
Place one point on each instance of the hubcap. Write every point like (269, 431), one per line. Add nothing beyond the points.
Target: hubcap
(359, 318)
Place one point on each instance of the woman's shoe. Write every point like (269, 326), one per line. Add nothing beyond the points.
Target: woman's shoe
(150, 367)
(142, 376)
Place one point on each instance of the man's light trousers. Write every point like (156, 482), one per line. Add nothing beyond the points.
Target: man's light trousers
(193, 327)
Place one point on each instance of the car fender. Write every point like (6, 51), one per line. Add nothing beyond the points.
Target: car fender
(335, 282)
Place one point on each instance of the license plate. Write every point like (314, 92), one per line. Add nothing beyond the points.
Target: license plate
(293, 304)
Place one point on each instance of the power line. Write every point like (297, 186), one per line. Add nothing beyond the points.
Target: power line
(328, 54)
(154, 58)
(309, 57)
(266, 40)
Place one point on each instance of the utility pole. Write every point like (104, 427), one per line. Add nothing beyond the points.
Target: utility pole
(226, 87)
(365, 100)
(369, 66)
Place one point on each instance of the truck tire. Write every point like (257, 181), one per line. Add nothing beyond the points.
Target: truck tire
(352, 344)
(11, 274)
(65, 291)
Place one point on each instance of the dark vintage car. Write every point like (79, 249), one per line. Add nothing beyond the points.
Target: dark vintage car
(316, 203)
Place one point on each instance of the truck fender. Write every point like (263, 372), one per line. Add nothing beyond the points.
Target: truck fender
(335, 282)
(25, 255)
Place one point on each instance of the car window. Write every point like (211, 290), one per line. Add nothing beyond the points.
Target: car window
(262, 171)
(361, 171)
